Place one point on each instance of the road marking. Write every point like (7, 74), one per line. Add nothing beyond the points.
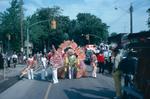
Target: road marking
(47, 91)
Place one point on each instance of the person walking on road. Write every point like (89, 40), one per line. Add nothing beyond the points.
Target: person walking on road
(72, 66)
(94, 64)
(30, 66)
(101, 60)
(56, 62)
(44, 64)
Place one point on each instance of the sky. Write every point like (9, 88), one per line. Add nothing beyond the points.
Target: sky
(115, 13)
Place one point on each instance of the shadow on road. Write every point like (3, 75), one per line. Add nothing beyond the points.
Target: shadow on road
(8, 83)
(99, 93)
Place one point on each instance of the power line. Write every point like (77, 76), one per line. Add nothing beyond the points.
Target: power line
(140, 4)
(118, 19)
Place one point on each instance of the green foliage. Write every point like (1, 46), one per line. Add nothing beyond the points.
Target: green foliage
(113, 34)
(40, 32)
(10, 24)
(88, 24)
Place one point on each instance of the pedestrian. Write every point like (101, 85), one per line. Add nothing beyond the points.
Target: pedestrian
(24, 59)
(1, 61)
(94, 64)
(14, 58)
(8, 61)
(56, 62)
(117, 74)
(30, 66)
(44, 65)
(101, 60)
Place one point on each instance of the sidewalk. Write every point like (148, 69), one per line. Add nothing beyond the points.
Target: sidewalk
(10, 76)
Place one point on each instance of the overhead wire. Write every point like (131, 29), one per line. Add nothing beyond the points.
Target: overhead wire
(118, 18)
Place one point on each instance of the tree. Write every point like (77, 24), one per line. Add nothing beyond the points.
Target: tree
(88, 24)
(42, 34)
(113, 34)
(10, 24)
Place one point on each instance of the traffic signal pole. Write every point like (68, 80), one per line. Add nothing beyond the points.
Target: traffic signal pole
(28, 30)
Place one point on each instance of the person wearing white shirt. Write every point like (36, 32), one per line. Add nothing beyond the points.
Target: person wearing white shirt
(44, 64)
(30, 66)
(14, 57)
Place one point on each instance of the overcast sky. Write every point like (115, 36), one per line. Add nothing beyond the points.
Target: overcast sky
(117, 19)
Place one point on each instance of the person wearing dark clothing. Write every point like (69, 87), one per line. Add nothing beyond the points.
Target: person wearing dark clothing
(1, 61)
(14, 58)
(128, 66)
(101, 59)
(8, 61)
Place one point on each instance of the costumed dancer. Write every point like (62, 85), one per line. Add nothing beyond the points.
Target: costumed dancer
(94, 64)
(30, 66)
(81, 67)
(56, 61)
(72, 60)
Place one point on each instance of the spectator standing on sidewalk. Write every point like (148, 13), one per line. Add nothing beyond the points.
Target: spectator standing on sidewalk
(8, 61)
(14, 58)
(1, 61)
(117, 74)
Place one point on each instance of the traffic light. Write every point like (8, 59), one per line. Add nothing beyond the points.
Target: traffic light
(53, 24)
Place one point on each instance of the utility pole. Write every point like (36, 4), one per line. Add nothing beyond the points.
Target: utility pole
(21, 23)
(131, 18)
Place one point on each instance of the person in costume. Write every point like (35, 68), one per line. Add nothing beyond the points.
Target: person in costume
(30, 67)
(72, 60)
(57, 62)
(94, 64)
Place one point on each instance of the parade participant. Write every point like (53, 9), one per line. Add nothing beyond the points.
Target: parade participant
(63, 72)
(81, 69)
(94, 64)
(14, 57)
(44, 64)
(30, 66)
(101, 60)
(71, 62)
(57, 62)
(117, 74)
(72, 65)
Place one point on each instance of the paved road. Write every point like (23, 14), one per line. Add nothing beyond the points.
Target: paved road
(84, 88)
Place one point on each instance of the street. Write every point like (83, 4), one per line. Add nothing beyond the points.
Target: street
(101, 87)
